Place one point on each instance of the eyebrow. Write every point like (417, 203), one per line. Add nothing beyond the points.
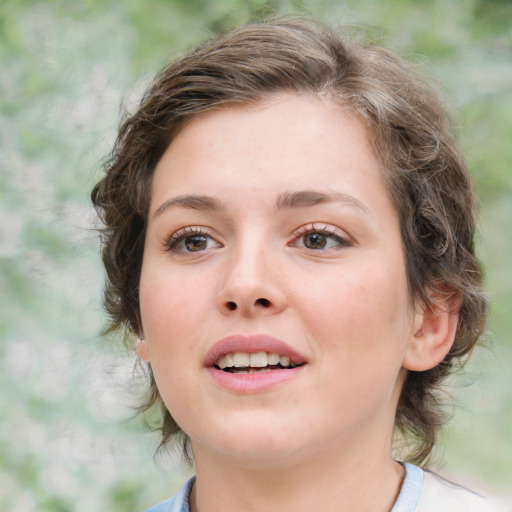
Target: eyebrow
(287, 200)
(308, 198)
(203, 203)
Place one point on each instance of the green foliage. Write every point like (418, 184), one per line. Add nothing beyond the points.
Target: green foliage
(66, 440)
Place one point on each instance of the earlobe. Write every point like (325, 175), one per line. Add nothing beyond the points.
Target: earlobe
(434, 332)
(142, 349)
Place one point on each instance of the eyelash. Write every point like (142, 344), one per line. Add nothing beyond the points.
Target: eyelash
(184, 233)
(325, 230)
(330, 232)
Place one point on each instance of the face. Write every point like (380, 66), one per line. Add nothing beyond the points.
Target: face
(273, 292)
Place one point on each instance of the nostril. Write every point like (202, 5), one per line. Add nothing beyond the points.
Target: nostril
(263, 302)
(231, 306)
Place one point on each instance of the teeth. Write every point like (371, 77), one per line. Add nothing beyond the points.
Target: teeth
(226, 361)
(256, 360)
(241, 359)
(284, 361)
(273, 358)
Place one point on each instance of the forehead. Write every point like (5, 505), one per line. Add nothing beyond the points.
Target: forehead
(287, 141)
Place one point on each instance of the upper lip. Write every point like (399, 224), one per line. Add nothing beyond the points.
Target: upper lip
(251, 344)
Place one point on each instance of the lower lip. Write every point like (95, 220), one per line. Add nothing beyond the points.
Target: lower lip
(252, 382)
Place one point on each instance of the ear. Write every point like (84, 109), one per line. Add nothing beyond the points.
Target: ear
(142, 349)
(434, 331)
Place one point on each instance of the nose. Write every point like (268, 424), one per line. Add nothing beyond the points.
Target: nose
(251, 285)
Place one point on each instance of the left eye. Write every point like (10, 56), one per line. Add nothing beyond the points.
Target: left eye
(318, 240)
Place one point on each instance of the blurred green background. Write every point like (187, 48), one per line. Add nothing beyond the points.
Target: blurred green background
(67, 438)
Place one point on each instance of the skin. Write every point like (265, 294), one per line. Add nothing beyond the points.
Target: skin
(322, 439)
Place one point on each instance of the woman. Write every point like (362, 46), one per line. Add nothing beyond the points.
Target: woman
(289, 234)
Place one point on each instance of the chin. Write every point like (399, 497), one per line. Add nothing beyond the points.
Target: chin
(252, 444)
(257, 457)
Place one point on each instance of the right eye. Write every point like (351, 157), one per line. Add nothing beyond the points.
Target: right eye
(191, 239)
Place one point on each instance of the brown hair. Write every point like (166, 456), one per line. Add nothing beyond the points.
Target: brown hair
(423, 169)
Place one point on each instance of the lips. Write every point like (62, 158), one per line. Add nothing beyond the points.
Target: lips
(258, 361)
(252, 351)
(247, 355)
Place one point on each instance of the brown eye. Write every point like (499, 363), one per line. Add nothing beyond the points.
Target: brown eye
(196, 243)
(315, 240)
(320, 240)
(190, 239)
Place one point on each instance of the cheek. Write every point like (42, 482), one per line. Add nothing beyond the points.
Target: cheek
(169, 323)
(170, 303)
(360, 312)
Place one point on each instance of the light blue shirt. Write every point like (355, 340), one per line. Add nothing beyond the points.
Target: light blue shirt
(406, 502)
(410, 492)
(178, 503)
(420, 492)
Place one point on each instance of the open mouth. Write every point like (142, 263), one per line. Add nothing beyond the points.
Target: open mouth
(244, 362)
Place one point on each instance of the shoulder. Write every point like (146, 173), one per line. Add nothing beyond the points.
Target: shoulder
(178, 503)
(440, 494)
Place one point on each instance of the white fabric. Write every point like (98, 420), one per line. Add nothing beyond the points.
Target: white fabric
(421, 491)
(440, 495)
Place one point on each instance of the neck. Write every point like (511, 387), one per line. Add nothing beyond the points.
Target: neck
(347, 479)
